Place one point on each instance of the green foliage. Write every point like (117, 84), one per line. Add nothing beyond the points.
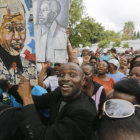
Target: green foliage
(88, 44)
(111, 35)
(128, 30)
(75, 13)
(103, 43)
(125, 37)
(86, 33)
(90, 31)
(134, 36)
(126, 45)
(117, 43)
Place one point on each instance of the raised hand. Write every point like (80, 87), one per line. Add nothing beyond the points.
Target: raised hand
(24, 87)
(45, 65)
(86, 59)
(24, 91)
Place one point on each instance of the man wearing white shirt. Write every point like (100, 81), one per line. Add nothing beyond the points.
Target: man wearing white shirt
(50, 82)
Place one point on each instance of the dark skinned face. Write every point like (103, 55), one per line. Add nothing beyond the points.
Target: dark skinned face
(123, 62)
(12, 33)
(85, 52)
(70, 80)
(93, 61)
(102, 68)
(89, 74)
(135, 73)
(112, 67)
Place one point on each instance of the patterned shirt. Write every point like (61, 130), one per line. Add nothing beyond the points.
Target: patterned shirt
(29, 72)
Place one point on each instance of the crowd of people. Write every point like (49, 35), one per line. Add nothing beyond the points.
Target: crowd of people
(95, 96)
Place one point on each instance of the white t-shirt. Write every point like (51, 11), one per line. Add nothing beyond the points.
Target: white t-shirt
(51, 82)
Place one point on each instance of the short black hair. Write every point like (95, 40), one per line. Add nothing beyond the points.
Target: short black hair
(92, 66)
(120, 129)
(4, 85)
(133, 62)
(135, 65)
(93, 57)
(129, 86)
(113, 50)
(57, 64)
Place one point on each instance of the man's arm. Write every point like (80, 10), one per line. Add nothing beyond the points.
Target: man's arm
(24, 92)
(86, 59)
(42, 74)
(69, 49)
(102, 100)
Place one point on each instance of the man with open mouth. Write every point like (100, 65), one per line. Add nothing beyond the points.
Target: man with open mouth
(72, 112)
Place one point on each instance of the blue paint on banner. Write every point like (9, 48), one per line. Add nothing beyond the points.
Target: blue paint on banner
(31, 45)
(30, 25)
(28, 4)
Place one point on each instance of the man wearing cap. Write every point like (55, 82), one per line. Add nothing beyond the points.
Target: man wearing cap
(113, 70)
(105, 56)
(51, 82)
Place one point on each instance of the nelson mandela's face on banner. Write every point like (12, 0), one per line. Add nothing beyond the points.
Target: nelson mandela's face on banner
(12, 33)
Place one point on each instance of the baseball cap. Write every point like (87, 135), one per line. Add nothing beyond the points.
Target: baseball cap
(114, 62)
(105, 51)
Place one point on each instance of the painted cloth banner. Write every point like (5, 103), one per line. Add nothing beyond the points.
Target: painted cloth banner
(29, 28)
(50, 22)
(17, 52)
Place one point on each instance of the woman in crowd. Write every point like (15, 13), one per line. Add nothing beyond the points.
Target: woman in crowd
(113, 70)
(93, 60)
(113, 53)
(135, 68)
(93, 89)
(124, 66)
(102, 78)
(97, 55)
(135, 72)
(134, 61)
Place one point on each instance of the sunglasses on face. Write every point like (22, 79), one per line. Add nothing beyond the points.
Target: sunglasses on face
(118, 108)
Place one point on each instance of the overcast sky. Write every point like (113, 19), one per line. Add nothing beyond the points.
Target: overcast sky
(112, 14)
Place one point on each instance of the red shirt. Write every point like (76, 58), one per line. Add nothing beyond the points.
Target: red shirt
(108, 85)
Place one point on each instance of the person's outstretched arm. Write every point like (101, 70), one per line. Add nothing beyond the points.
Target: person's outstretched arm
(25, 97)
(42, 74)
(69, 48)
